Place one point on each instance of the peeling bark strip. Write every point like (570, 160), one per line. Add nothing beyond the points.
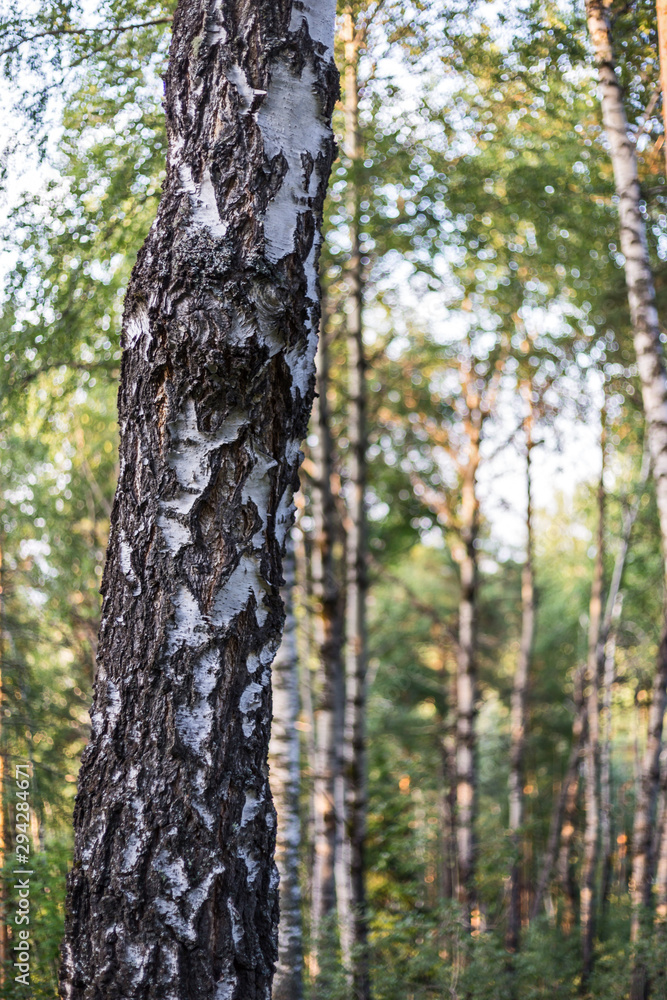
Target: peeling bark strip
(173, 893)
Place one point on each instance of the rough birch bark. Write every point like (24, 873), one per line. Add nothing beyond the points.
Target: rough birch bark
(651, 365)
(285, 781)
(592, 741)
(466, 685)
(174, 891)
(350, 887)
(329, 639)
(518, 711)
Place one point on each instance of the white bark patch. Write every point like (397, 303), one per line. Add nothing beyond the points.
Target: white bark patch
(237, 926)
(138, 329)
(191, 448)
(257, 490)
(251, 863)
(246, 93)
(175, 534)
(233, 597)
(194, 724)
(190, 458)
(137, 958)
(125, 556)
(291, 125)
(320, 18)
(284, 515)
(251, 807)
(174, 872)
(189, 627)
(202, 201)
(251, 699)
(113, 703)
(226, 987)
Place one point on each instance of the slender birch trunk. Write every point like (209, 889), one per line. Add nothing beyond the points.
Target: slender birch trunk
(466, 683)
(592, 742)
(3, 842)
(607, 651)
(518, 711)
(606, 812)
(174, 891)
(285, 780)
(565, 804)
(651, 365)
(567, 829)
(351, 892)
(329, 715)
(448, 803)
(661, 9)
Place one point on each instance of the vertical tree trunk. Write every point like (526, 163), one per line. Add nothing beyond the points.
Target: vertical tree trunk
(661, 7)
(518, 712)
(448, 804)
(466, 685)
(3, 844)
(329, 637)
(570, 791)
(592, 742)
(285, 780)
(606, 812)
(650, 362)
(607, 651)
(565, 804)
(174, 890)
(351, 892)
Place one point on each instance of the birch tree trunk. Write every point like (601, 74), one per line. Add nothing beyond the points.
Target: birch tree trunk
(592, 741)
(661, 9)
(565, 803)
(518, 712)
(329, 637)
(566, 830)
(651, 365)
(606, 812)
(285, 779)
(607, 652)
(466, 686)
(174, 891)
(448, 803)
(350, 888)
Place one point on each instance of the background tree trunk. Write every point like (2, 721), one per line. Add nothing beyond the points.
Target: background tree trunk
(466, 689)
(592, 741)
(570, 792)
(174, 889)
(351, 892)
(285, 780)
(565, 803)
(650, 362)
(661, 9)
(329, 637)
(518, 711)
